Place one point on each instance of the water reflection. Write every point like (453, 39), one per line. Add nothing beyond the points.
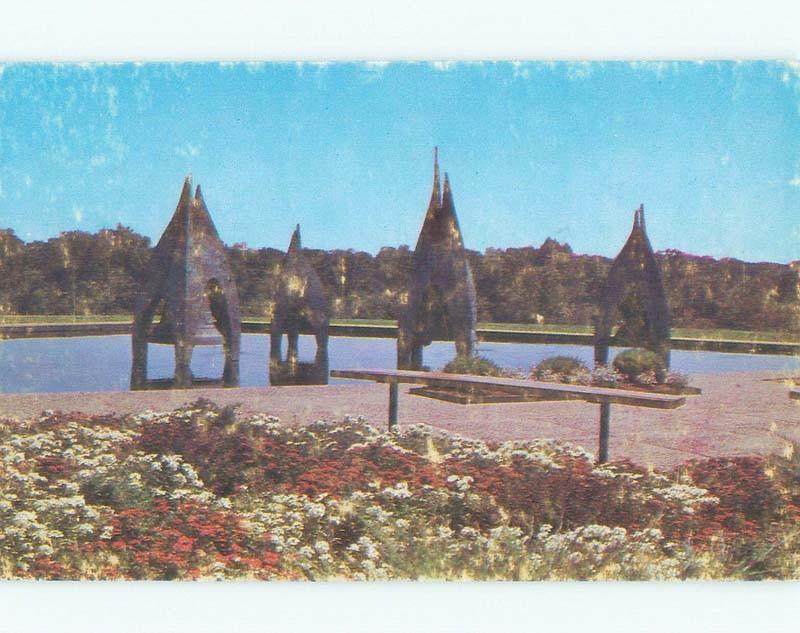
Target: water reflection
(103, 363)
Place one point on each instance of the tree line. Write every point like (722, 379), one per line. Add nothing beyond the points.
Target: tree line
(100, 273)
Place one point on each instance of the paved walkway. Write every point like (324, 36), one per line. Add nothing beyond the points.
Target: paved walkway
(737, 414)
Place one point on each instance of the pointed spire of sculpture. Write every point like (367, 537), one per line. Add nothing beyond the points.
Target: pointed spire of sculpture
(447, 195)
(436, 194)
(201, 218)
(638, 219)
(178, 223)
(447, 216)
(186, 192)
(295, 244)
(638, 242)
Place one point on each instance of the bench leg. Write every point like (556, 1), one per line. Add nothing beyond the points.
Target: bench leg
(394, 396)
(605, 427)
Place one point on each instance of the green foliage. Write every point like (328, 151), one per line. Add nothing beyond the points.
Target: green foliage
(474, 365)
(636, 362)
(85, 273)
(561, 365)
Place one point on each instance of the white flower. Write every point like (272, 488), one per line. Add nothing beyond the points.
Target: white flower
(575, 558)
(314, 510)
(45, 549)
(369, 547)
(24, 518)
(399, 491)
(378, 513)
(461, 484)
(444, 532)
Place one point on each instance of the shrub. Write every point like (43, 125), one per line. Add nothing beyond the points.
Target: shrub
(636, 362)
(560, 367)
(475, 365)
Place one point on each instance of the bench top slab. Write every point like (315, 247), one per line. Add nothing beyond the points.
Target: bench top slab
(577, 392)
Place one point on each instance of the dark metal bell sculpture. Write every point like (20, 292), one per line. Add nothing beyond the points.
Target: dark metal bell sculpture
(190, 298)
(441, 301)
(634, 274)
(300, 305)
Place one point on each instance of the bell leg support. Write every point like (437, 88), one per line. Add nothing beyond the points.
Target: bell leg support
(465, 346)
(293, 337)
(139, 366)
(230, 375)
(321, 357)
(183, 369)
(416, 357)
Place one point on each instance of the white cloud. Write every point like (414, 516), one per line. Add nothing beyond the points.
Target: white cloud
(790, 74)
(660, 68)
(28, 181)
(77, 213)
(98, 160)
(116, 146)
(521, 70)
(580, 70)
(113, 108)
(52, 121)
(372, 71)
(795, 182)
(443, 65)
(188, 150)
(313, 64)
(792, 69)
(251, 67)
(254, 67)
(725, 159)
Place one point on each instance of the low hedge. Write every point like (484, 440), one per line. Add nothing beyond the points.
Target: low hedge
(635, 362)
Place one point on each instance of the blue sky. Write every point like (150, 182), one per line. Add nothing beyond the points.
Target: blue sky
(562, 150)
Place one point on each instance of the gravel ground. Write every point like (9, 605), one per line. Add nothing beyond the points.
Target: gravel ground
(737, 414)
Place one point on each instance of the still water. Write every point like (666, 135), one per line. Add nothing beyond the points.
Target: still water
(103, 363)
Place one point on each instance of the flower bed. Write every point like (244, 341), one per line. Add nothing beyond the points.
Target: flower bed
(674, 383)
(203, 493)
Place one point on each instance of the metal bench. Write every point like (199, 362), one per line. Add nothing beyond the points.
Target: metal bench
(603, 396)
